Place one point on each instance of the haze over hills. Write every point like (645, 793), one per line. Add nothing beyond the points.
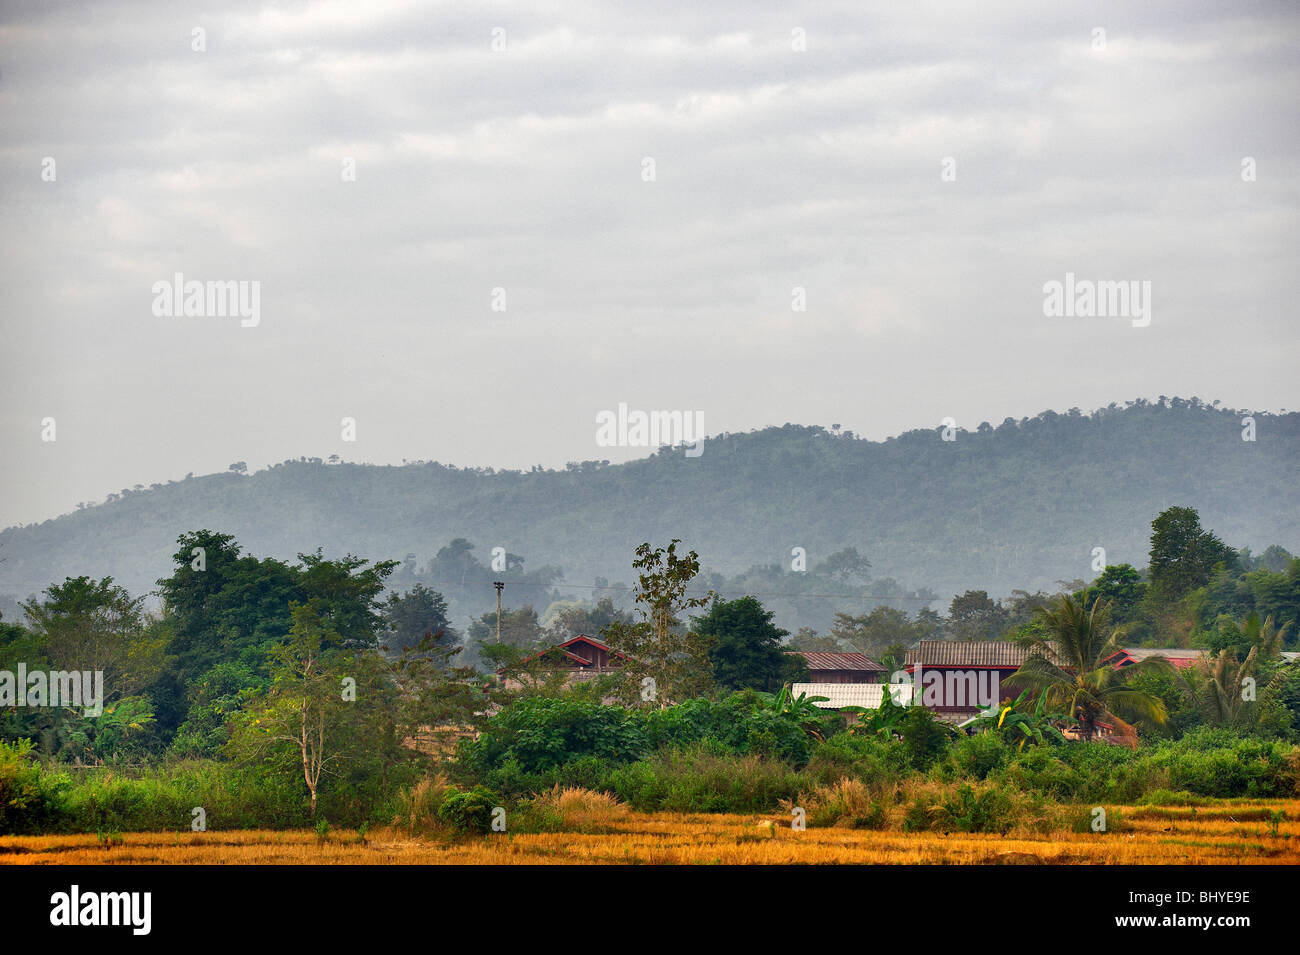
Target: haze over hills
(1019, 505)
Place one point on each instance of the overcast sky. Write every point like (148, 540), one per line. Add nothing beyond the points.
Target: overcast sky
(781, 160)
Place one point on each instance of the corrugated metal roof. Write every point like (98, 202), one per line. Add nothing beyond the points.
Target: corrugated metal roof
(1172, 653)
(969, 653)
(866, 695)
(818, 660)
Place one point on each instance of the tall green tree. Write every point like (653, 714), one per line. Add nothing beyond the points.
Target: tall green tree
(745, 647)
(1225, 688)
(1183, 554)
(85, 624)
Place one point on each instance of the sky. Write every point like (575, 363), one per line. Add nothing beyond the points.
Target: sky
(475, 228)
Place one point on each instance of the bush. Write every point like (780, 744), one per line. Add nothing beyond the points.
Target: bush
(924, 740)
(163, 799)
(737, 724)
(702, 779)
(467, 812)
(541, 733)
(977, 756)
(849, 802)
(863, 757)
(31, 800)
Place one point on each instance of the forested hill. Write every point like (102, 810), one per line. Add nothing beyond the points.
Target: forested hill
(1020, 505)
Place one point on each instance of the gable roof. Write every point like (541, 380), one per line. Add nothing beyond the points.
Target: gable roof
(821, 660)
(581, 638)
(994, 654)
(1180, 657)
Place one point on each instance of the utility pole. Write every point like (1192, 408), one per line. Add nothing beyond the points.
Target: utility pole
(500, 586)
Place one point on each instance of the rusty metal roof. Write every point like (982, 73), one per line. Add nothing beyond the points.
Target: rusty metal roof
(969, 653)
(819, 660)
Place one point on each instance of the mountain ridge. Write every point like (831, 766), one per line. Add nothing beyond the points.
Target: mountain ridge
(1020, 505)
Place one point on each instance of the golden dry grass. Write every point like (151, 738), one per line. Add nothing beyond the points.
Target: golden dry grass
(1221, 833)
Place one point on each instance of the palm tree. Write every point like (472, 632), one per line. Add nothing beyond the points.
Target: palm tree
(1068, 661)
(1216, 685)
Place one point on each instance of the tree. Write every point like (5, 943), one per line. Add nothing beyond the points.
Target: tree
(345, 595)
(434, 691)
(873, 633)
(1183, 555)
(745, 647)
(845, 566)
(571, 619)
(84, 624)
(519, 629)
(1069, 661)
(1223, 687)
(1122, 587)
(305, 700)
(409, 617)
(806, 638)
(974, 616)
(664, 662)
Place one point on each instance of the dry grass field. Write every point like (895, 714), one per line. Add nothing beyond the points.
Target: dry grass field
(1219, 833)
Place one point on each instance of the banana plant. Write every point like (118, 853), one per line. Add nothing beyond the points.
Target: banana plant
(882, 721)
(1036, 727)
(799, 708)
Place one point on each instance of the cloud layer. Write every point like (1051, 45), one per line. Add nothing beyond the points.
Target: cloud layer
(505, 146)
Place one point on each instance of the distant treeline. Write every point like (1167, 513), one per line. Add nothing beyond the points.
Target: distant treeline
(1023, 504)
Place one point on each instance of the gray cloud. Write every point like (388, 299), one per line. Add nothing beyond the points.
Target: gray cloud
(522, 169)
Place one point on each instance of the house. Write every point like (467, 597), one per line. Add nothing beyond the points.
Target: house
(1180, 657)
(581, 658)
(840, 667)
(958, 678)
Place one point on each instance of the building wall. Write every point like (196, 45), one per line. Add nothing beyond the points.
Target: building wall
(846, 676)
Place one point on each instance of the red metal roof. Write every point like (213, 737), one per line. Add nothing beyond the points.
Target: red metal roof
(819, 660)
(580, 638)
(1179, 657)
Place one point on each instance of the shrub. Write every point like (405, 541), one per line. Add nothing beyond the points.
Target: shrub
(849, 802)
(31, 800)
(977, 756)
(701, 779)
(868, 758)
(540, 733)
(924, 740)
(466, 812)
(738, 724)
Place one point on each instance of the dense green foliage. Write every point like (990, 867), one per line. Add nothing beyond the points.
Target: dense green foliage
(276, 694)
